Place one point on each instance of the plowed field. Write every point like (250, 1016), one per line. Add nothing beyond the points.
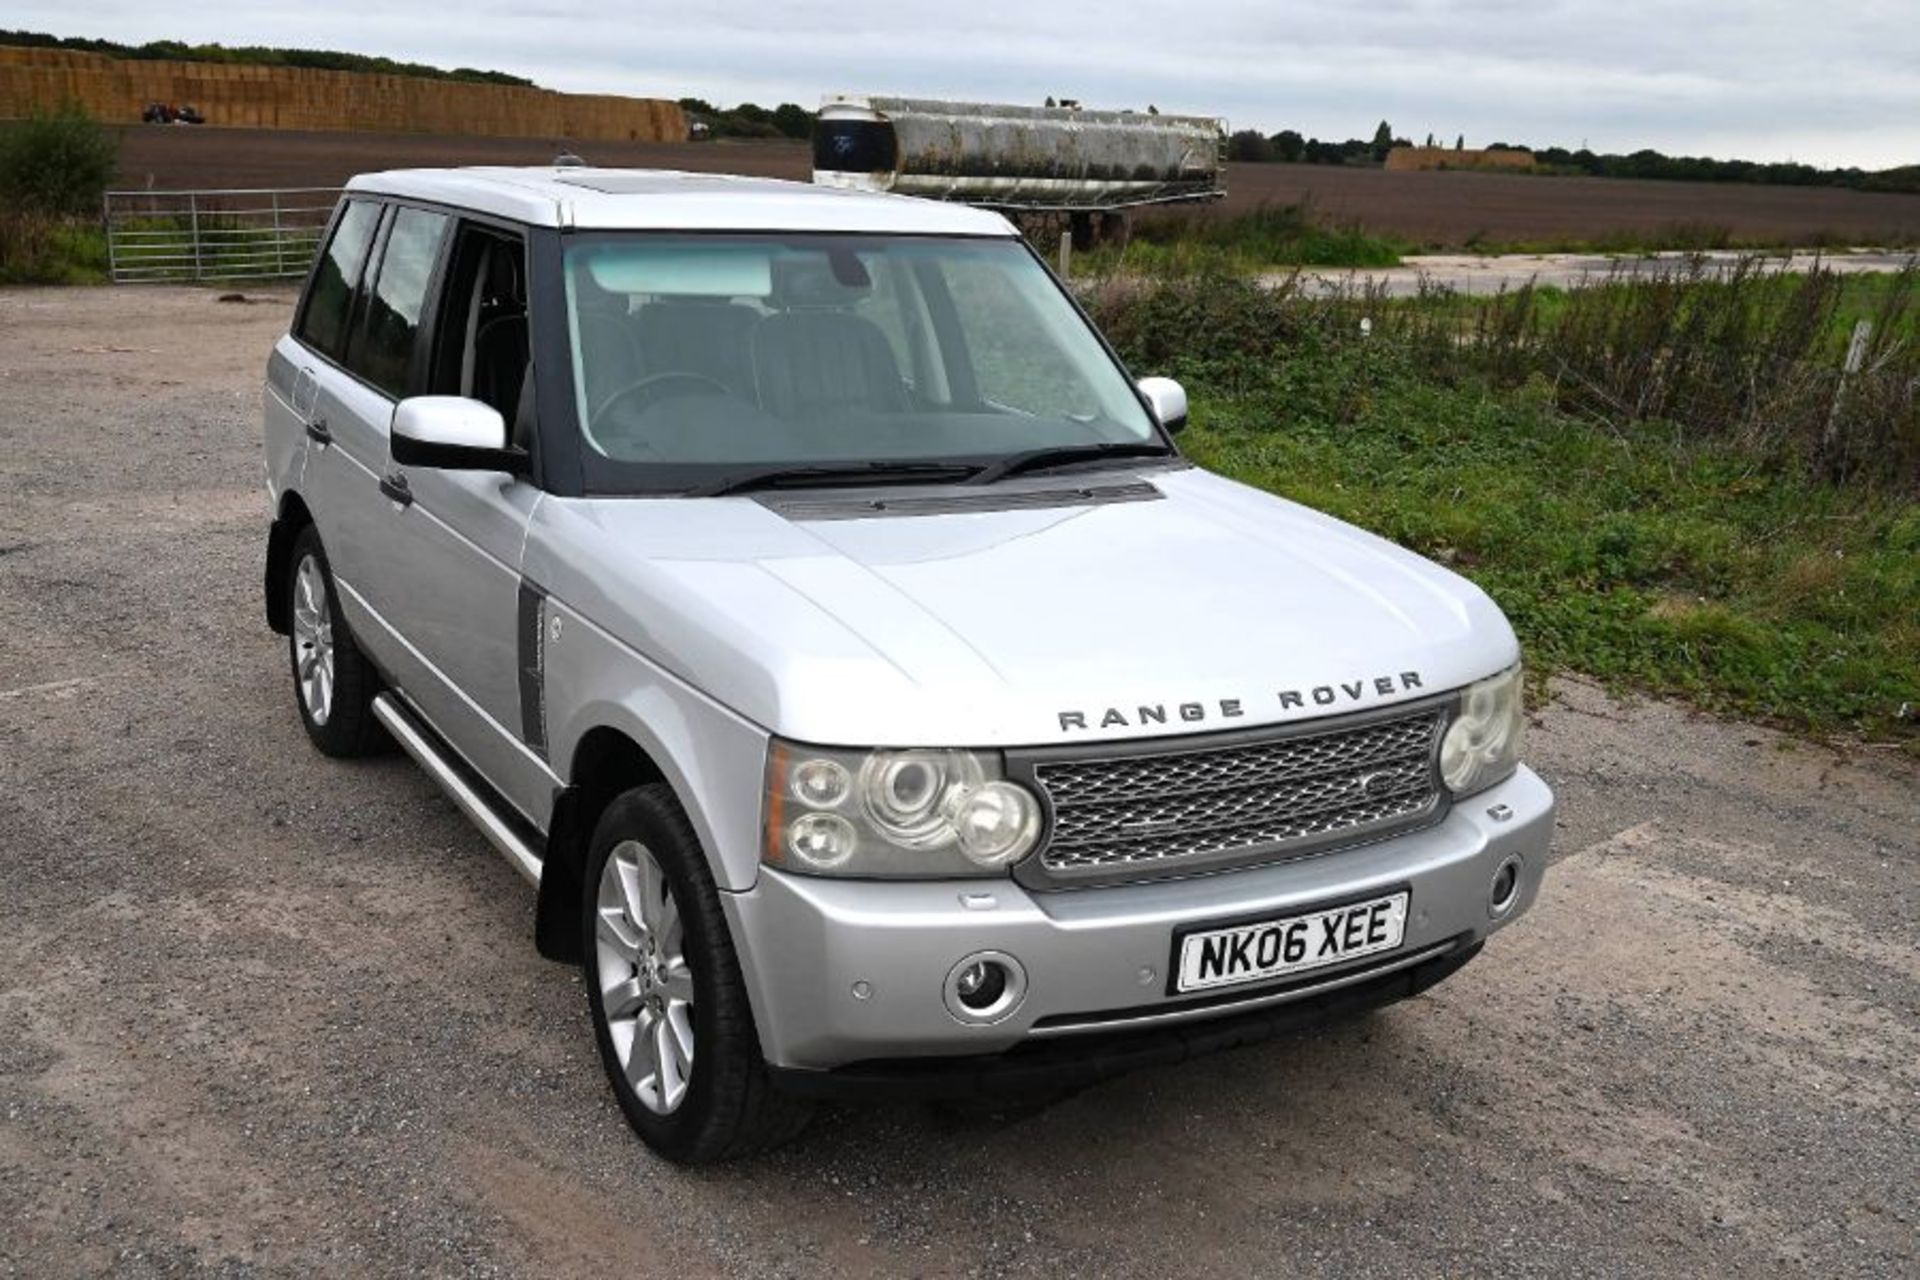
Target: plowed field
(1432, 209)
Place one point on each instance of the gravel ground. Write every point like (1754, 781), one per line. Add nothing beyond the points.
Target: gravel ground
(267, 1014)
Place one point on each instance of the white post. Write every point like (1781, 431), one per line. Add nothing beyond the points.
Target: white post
(1856, 356)
(1066, 249)
(1857, 347)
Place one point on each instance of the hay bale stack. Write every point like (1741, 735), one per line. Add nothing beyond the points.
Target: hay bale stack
(262, 97)
(1507, 160)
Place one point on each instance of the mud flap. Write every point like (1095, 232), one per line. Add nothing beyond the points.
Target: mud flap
(556, 918)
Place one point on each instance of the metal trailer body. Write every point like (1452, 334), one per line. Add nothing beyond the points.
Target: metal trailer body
(1026, 159)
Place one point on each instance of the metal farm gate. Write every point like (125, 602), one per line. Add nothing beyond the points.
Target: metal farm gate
(183, 236)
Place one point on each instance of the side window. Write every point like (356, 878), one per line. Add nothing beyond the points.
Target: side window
(481, 347)
(383, 350)
(336, 274)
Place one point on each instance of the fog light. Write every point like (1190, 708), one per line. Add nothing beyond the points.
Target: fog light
(981, 984)
(1506, 887)
(985, 987)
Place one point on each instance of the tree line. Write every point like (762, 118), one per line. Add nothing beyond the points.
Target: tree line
(1647, 163)
(1250, 146)
(748, 120)
(258, 56)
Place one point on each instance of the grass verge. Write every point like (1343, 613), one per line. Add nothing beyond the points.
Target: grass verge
(40, 249)
(1715, 565)
(1264, 238)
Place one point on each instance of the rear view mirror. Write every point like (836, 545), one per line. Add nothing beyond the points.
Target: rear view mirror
(453, 433)
(1168, 400)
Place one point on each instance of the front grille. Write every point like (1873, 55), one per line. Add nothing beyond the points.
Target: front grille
(1257, 799)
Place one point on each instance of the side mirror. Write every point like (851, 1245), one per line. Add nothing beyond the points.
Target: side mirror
(452, 433)
(1168, 400)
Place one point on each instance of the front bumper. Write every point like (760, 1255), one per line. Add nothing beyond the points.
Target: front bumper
(852, 971)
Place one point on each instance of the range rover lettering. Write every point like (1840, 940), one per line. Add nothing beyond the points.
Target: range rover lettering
(799, 592)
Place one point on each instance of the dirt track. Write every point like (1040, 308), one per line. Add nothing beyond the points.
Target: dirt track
(1441, 209)
(264, 1013)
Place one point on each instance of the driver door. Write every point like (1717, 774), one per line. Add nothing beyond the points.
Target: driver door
(457, 536)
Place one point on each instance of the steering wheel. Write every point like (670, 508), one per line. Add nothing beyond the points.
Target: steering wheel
(655, 387)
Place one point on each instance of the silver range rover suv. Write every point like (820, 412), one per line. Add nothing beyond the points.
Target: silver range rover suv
(795, 587)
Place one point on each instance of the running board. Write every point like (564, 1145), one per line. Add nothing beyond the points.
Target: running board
(426, 753)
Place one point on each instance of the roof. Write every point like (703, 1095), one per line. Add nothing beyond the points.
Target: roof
(669, 200)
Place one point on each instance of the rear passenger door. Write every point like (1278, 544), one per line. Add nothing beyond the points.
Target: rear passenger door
(346, 420)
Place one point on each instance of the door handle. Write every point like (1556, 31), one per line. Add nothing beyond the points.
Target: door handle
(306, 391)
(319, 433)
(394, 485)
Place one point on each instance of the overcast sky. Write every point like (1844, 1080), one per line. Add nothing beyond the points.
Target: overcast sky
(1823, 83)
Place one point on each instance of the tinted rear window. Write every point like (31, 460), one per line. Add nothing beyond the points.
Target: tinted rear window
(383, 354)
(323, 325)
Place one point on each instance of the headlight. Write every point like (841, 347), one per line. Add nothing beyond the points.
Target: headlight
(831, 811)
(906, 794)
(1482, 745)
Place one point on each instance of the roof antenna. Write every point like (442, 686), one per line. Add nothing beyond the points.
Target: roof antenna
(568, 160)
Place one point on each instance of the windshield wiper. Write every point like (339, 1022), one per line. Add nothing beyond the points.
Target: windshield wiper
(1060, 455)
(848, 474)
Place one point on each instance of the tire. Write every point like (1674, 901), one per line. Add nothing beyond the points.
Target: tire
(680, 1049)
(333, 683)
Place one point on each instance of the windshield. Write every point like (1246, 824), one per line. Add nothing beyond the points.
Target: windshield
(704, 356)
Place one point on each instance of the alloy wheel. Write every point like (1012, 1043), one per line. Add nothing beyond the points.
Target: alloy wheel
(646, 985)
(313, 640)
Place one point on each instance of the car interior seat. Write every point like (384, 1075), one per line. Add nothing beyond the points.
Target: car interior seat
(814, 354)
(609, 349)
(703, 336)
(500, 341)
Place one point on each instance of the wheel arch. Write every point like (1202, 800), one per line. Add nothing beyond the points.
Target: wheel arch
(605, 762)
(288, 521)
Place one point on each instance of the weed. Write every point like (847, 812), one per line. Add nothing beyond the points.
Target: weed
(37, 248)
(53, 168)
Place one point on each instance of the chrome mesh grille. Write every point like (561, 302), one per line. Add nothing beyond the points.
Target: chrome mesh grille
(1154, 814)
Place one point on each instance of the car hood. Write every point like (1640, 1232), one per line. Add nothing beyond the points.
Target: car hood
(1170, 602)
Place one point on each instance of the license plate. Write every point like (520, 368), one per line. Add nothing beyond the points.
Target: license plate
(1291, 944)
